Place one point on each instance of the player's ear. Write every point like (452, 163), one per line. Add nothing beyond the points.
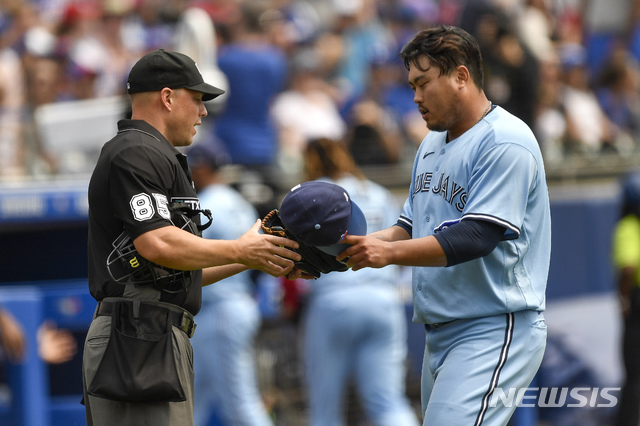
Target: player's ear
(461, 75)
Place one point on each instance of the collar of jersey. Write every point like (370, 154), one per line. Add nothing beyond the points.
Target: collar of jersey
(142, 126)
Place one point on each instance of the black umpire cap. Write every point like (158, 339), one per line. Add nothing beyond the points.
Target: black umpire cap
(161, 68)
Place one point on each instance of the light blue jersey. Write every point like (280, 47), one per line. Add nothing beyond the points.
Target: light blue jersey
(493, 172)
(232, 217)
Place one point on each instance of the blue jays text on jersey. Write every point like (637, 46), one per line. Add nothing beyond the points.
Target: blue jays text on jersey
(453, 193)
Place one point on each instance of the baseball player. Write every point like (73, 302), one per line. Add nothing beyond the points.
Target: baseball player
(625, 252)
(226, 378)
(345, 338)
(147, 260)
(476, 228)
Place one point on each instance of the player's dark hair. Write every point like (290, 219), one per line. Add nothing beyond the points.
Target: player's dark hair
(447, 47)
(252, 14)
(328, 158)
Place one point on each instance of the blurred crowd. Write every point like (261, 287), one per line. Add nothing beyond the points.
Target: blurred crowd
(298, 70)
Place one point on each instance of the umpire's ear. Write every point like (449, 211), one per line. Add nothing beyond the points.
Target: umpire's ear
(167, 97)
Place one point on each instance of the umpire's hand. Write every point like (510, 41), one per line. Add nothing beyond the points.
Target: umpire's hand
(268, 253)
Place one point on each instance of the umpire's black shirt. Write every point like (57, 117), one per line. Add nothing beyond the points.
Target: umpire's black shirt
(137, 175)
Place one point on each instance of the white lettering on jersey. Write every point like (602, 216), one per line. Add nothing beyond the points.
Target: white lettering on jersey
(452, 192)
(142, 207)
(163, 205)
(193, 202)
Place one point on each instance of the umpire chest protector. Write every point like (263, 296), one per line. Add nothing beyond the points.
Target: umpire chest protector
(140, 183)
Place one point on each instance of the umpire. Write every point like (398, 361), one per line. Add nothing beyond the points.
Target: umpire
(147, 260)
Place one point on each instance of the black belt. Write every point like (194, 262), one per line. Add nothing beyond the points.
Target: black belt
(436, 325)
(179, 317)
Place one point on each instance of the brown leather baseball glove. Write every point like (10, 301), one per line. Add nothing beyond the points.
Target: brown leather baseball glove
(314, 261)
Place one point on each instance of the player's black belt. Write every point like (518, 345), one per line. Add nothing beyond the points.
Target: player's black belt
(178, 316)
(436, 325)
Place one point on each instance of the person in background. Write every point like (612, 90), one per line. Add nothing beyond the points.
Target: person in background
(55, 346)
(617, 90)
(12, 340)
(373, 137)
(626, 259)
(224, 364)
(12, 101)
(305, 110)
(256, 70)
(589, 131)
(363, 39)
(510, 69)
(354, 322)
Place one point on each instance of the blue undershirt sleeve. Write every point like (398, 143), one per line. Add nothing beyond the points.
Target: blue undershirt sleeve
(404, 226)
(469, 239)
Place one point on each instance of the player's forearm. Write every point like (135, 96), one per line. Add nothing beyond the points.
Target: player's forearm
(369, 251)
(424, 251)
(217, 273)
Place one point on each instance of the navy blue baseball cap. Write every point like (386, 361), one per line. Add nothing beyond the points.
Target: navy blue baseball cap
(321, 214)
(161, 68)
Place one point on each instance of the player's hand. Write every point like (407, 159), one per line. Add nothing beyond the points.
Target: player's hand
(12, 337)
(55, 345)
(365, 251)
(268, 253)
(299, 273)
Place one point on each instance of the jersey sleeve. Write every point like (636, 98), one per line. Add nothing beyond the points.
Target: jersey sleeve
(232, 214)
(501, 182)
(405, 220)
(139, 180)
